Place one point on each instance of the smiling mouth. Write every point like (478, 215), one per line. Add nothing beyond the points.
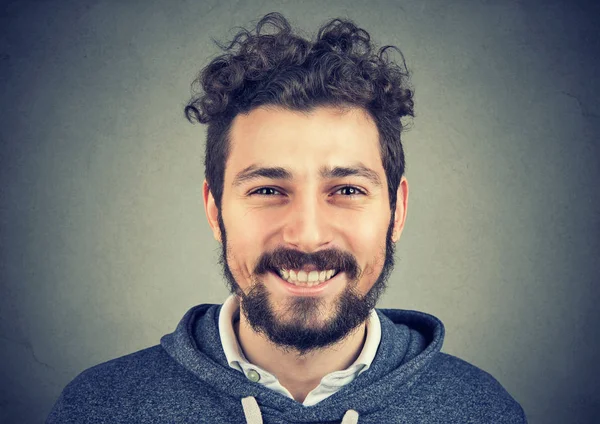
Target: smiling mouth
(303, 278)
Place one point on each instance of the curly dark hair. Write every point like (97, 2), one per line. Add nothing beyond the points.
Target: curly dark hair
(280, 68)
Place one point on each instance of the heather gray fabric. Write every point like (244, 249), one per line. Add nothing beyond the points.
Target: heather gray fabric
(186, 379)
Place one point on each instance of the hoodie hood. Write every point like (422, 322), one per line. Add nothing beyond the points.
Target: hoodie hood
(409, 342)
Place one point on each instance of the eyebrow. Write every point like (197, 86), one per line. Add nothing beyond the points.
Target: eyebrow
(358, 170)
(253, 172)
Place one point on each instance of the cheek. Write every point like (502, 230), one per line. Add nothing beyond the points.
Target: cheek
(249, 229)
(368, 246)
(244, 235)
(250, 226)
(368, 233)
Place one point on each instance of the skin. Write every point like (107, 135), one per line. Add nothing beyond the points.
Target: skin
(306, 213)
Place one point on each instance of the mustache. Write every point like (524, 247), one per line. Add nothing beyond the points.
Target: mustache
(294, 259)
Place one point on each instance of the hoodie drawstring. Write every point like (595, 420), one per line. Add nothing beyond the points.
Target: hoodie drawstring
(251, 410)
(253, 415)
(350, 417)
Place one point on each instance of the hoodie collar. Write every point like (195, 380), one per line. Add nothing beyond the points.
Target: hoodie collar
(235, 356)
(330, 383)
(409, 342)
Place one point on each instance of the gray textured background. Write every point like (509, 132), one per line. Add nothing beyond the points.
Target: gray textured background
(104, 243)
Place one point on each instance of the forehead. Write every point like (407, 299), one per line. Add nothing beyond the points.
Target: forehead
(304, 142)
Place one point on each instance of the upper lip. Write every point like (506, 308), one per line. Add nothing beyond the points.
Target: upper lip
(307, 268)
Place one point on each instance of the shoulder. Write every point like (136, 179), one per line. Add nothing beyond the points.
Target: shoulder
(123, 371)
(113, 387)
(475, 395)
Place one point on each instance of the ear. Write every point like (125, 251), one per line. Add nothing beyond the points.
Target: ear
(401, 207)
(212, 212)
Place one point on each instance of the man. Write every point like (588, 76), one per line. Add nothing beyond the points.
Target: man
(305, 191)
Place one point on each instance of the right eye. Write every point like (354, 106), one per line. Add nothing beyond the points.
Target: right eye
(265, 191)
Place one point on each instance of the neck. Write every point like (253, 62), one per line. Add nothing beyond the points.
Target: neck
(298, 374)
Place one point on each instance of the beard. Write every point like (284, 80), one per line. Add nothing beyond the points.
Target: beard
(298, 333)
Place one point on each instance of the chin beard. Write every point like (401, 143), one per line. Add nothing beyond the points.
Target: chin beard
(308, 327)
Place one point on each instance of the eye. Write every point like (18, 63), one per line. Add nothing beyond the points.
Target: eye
(266, 191)
(350, 191)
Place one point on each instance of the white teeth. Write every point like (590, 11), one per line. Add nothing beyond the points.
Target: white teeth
(307, 279)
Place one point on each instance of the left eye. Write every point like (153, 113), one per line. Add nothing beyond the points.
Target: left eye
(350, 191)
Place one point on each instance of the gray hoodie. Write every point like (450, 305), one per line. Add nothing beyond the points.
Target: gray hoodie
(186, 379)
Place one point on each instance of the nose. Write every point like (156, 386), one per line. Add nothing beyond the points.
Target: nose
(307, 227)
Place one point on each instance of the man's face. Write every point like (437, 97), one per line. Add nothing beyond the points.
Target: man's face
(306, 194)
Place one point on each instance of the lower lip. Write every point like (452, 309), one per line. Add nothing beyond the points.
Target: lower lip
(305, 290)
